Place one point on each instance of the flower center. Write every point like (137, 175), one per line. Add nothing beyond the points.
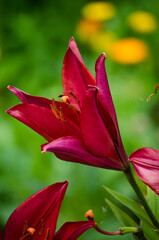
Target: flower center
(58, 113)
(30, 231)
(66, 100)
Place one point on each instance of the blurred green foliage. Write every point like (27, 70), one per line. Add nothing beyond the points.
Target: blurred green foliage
(33, 40)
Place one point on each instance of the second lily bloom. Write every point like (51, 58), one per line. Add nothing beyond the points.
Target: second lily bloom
(82, 127)
(36, 218)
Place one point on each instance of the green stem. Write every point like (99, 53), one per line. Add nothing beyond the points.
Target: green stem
(133, 183)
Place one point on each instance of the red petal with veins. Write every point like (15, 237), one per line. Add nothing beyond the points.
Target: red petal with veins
(72, 149)
(72, 230)
(43, 121)
(96, 136)
(75, 76)
(45, 205)
(146, 165)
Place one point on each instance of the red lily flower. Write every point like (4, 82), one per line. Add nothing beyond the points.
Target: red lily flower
(146, 165)
(83, 127)
(36, 218)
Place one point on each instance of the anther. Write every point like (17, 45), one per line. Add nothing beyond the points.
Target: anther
(89, 214)
(65, 99)
(47, 234)
(73, 95)
(29, 232)
(42, 227)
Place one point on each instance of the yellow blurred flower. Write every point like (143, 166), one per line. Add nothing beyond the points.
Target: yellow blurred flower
(86, 28)
(102, 41)
(143, 22)
(99, 11)
(129, 51)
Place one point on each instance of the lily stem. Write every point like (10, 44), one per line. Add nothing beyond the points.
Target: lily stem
(140, 195)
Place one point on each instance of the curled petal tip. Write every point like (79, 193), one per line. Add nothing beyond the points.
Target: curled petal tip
(65, 183)
(71, 41)
(72, 38)
(43, 151)
(104, 54)
(9, 87)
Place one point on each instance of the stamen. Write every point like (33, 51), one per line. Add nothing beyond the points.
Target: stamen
(89, 214)
(61, 115)
(42, 227)
(73, 95)
(75, 109)
(47, 234)
(25, 227)
(30, 232)
(58, 113)
(54, 109)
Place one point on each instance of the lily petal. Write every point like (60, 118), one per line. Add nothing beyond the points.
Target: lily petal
(106, 106)
(72, 149)
(95, 135)
(75, 76)
(43, 121)
(42, 207)
(27, 98)
(102, 84)
(72, 230)
(75, 50)
(146, 165)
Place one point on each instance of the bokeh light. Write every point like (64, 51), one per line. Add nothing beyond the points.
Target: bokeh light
(99, 11)
(86, 29)
(102, 41)
(143, 22)
(129, 51)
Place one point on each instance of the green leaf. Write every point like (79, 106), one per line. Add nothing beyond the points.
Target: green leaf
(123, 218)
(149, 231)
(153, 201)
(132, 205)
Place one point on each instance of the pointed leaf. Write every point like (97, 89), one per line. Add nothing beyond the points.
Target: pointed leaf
(149, 231)
(123, 218)
(132, 205)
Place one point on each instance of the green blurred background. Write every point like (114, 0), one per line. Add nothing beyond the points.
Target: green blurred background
(34, 37)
